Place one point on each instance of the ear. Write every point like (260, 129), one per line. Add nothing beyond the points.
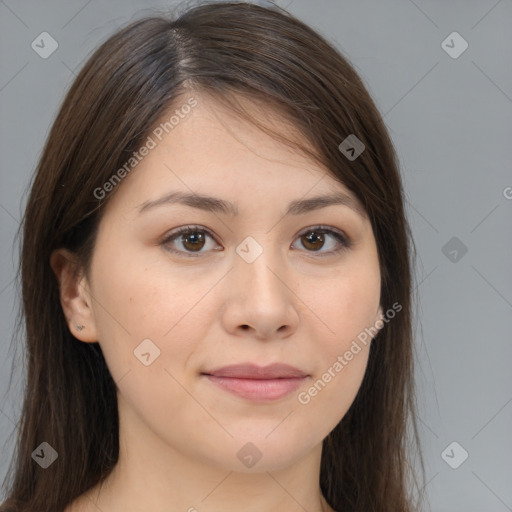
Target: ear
(75, 297)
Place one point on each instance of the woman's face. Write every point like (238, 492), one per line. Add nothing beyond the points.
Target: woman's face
(258, 287)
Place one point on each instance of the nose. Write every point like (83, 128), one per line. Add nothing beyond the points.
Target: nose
(260, 300)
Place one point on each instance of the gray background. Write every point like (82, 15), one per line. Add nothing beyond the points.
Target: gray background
(450, 119)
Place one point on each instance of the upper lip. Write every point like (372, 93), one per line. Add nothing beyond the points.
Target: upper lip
(251, 371)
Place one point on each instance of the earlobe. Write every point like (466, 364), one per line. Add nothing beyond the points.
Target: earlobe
(75, 298)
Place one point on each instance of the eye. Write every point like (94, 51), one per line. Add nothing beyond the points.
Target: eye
(194, 238)
(314, 239)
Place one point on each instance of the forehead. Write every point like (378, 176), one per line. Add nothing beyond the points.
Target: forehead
(213, 151)
(212, 132)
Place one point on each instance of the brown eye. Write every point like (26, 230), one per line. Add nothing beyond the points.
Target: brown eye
(192, 240)
(314, 239)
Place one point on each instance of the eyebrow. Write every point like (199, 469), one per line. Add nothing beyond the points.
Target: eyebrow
(215, 204)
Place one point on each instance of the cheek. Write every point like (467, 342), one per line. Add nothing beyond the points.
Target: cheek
(136, 301)
(144, 292)
(337, 388)
(345, 305)
(342, 358)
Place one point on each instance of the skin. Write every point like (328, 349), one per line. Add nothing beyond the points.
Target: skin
(179, 433)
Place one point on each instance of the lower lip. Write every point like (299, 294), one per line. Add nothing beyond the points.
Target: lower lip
(258, 390)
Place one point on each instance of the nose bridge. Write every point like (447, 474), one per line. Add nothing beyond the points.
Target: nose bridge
(257, 267)
(258, 296)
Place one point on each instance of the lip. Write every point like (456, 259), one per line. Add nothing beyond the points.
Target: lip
(252, 371)
(257, 383)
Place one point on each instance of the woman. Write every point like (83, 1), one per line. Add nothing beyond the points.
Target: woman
(216, 280)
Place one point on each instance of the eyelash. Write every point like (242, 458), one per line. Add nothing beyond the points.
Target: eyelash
(342, 239)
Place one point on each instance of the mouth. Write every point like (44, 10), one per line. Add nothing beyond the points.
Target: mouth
(256, 383)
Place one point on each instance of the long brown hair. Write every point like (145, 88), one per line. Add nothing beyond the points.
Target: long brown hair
(226, 50)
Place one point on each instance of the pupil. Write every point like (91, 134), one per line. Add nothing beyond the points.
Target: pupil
(194, 235)
(314, 237)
